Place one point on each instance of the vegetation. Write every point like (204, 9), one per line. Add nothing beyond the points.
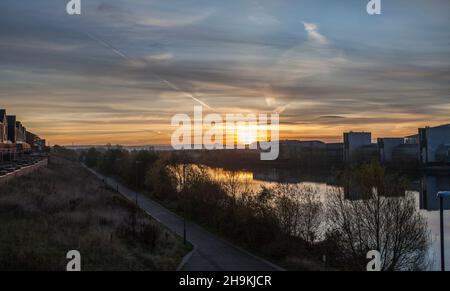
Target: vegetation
(287, 223)
(381, 218)
(305, 158)
(64, 207)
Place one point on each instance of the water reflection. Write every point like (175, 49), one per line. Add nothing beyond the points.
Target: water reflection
(429, 187)
(274, 175)
(423, 189)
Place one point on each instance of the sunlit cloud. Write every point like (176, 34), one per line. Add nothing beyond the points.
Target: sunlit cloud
(313, 34)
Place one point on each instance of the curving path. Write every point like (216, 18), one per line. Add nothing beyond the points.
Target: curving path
(211, 253)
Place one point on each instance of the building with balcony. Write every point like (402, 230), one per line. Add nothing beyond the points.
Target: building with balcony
(21, 133)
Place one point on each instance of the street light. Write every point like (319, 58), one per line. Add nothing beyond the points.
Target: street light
(118, 160)
(442, 195)
(137, 183)
(184, 203)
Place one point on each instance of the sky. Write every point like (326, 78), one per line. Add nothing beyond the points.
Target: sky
(118, 72)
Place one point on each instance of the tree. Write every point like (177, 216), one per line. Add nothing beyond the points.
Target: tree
(92, 158)
(160, 181)
(299, 210)
(379, 219)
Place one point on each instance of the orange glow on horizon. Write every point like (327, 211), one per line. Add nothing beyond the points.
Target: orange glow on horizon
(241, 137)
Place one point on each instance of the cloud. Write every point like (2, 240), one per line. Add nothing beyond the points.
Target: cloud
(314, 36)
(39, 45)
(160, 57)
(240, 60)
(174, 21)
(164, 20)
(144, 62)
(270, 101)
(259, 16)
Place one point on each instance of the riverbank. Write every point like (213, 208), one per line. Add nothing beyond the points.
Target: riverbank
(63, 207)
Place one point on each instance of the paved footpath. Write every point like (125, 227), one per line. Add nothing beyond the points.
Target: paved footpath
(210, 252)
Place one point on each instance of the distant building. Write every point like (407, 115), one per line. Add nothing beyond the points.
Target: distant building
(406, 153)
(12, 137)
(412, 139)
(429, 187)
(366, 153)
(334, 152)
(292, 149)
(3, 126)
(15, 139)
(434, 143)
(289, 149)
(386, 148)
(312, 144)
(354, 142)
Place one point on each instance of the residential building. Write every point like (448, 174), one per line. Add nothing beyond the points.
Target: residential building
(20, 133)
(12, 137)
(42, 143)
(3, 126)
(32, 139)
(434, 143)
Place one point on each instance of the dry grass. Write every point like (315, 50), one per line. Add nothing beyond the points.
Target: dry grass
(64, 207)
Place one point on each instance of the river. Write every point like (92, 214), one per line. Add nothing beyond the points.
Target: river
(424, 189)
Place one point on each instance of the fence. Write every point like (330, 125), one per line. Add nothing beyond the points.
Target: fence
(22, 172)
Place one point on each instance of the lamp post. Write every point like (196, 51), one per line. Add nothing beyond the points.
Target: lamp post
(442, 196)
(137, 181)
(117, 187)
(184, 206)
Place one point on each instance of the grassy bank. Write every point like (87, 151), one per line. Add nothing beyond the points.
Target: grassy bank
(64, 207)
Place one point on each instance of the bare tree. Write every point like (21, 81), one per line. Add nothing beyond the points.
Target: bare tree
(299, 210)
(236, 185)
(380, 220)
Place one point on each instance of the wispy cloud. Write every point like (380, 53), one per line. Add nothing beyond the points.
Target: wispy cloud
(260, 16)
(170, 84)
(37, 45)
(314, 35)
(160, 57)
(166, 20)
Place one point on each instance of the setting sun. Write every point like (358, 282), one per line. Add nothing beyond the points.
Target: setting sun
(247, 134)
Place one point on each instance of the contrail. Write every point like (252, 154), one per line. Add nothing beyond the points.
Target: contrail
(168, 83)
(107, 45)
